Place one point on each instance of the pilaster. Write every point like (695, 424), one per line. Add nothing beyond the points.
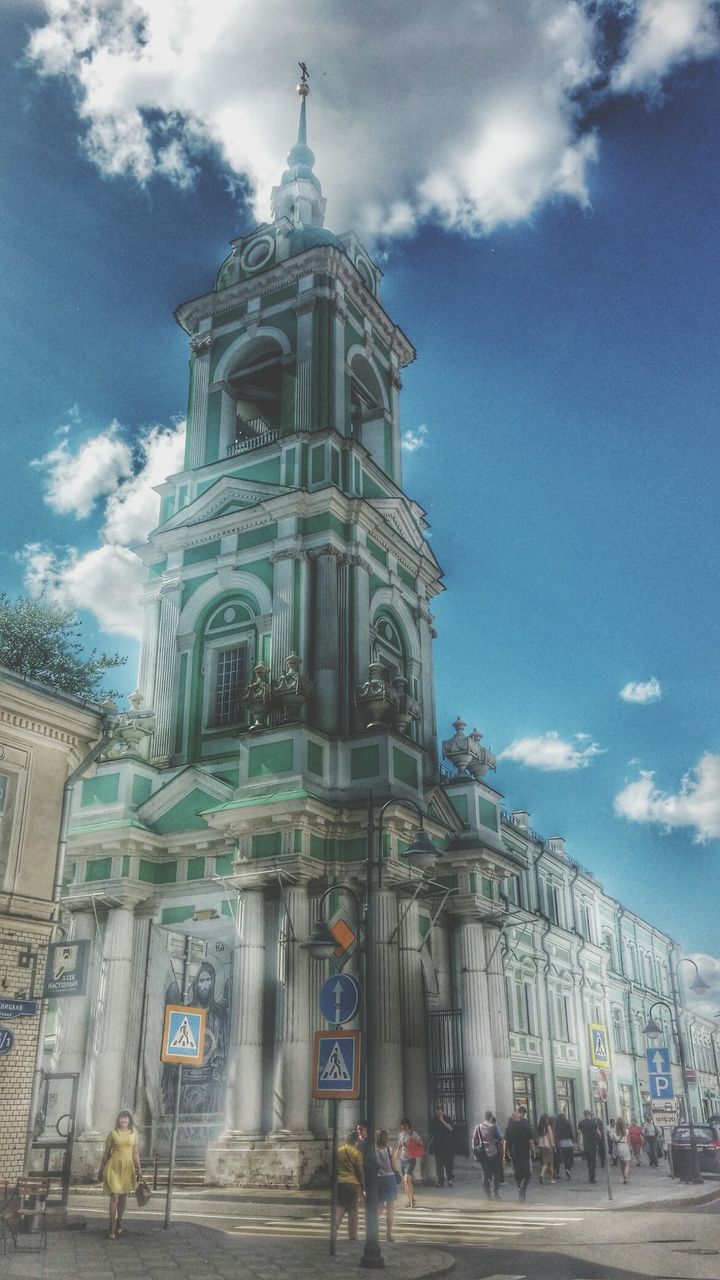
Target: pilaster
(291, 1104)
(327, 632)
(476, 1035)
(201, 347)
(166, 670)
(499, 1030)
(412, 1015)
(385, 1008)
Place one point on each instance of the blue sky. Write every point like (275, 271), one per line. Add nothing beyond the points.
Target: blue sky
(544, 199)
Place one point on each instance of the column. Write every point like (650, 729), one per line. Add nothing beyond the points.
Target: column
(243, 1102)
(499, 1030)
(148, 650)
(386, 1009)
(477, 1043)
(396, 387)
(412, 1016)
(304, 308)
(360, 599)
(74, 1055)
(108, 1091)
(340, 409)
(292, 1045)
(326, 648)
(199, 406)
(428, 724)
(228, 421)
(283, 563)
(166, 671)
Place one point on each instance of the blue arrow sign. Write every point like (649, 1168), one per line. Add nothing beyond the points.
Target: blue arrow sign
(658, 1061)
(7, 1040)
(339, 998)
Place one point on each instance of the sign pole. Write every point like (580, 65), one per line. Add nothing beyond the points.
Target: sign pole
(607, 1151)
(333, 1180)
(176, 1108)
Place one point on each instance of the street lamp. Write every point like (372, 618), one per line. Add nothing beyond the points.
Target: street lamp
(699, 986)
(421, 855)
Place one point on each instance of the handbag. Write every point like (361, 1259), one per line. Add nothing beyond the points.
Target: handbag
(142, 1193)
(396, 1173)
(415, 1150)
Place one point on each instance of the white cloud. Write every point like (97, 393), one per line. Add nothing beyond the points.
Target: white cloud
(75, 481)
(551, 752)
(107, 581)
(412, 440)
(642, 691)
(696, 805)
(665, 34)
(470, 118)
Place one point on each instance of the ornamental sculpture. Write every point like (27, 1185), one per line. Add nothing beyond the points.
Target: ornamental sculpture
(385, 700)
(131, 730)
(257, 697)
(291, 690)
(465, 753)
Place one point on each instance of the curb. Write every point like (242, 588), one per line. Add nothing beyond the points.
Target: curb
(680, 1203)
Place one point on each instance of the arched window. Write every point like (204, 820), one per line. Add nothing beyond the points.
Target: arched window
(253, 391)
(388, 646)
(609, 945)
(618, 1026)
(367, 411)
(229, 653)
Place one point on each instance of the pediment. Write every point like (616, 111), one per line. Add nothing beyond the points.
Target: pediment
(226, 496)
(395, 512)
(177, 806)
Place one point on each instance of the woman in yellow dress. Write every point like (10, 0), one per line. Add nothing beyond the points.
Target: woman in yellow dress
(120, 1168)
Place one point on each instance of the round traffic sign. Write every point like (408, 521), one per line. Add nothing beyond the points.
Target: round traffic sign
(7, 1040)
(602, 1084)
(339, 998)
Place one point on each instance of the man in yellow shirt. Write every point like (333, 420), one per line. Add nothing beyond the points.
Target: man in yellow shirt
(350, 1184)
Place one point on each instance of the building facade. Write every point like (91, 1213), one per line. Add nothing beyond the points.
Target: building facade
(287, 658)
(43, 736)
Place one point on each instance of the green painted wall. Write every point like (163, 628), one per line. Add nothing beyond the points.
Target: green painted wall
(196, 869)
(405, 767)
(98, 869)
(331, 849)
(315, 758)
(102, 789)
(487, 813)
(406, 577)
(268, 845)
(157, 872)
(460, 805)
(224, 864)
(377, 552)
(191, 586)
(176, 915)
(207, 551)
(185, 815)
(270, 757)
(364, 762)
(257, 537)
(141, 789)
(125, 867)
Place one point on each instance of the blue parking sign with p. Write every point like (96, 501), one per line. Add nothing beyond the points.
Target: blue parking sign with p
(659, 1073)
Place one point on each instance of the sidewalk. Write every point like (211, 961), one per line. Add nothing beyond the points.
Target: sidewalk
(148, 1252)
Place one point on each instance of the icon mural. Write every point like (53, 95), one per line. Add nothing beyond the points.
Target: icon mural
(203, 1088)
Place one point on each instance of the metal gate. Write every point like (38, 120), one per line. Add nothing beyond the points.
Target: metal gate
(446, 1078)
(51, 1149)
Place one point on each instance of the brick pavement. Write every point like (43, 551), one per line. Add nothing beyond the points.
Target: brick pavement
(147, 1251)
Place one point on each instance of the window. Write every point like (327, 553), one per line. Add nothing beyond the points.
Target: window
(388, 647)
(625, 1098)
(632, 969)
(563, 1017)
(566, 1099)
(609, 945)
(7, 806)
(618, 1026)
(229, 650)
(256, 389)
(524, 1096)
(649, 975)
(231, 677)
(586, 925)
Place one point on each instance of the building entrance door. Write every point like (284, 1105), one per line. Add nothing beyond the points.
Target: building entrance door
(51, 1148)
(565, 1089)
(446, 1079)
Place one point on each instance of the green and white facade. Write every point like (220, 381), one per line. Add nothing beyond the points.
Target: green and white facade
(287, 658)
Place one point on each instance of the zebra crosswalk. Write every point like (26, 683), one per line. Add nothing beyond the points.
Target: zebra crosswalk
(431, 1225)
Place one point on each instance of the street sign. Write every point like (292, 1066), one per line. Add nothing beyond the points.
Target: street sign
(659, 1073)
(336, 1064)
(18, 1008)
(7, 1040)
(599, 1045)
(67, 967)
(183, 1039)
(344, 931)
(339, 998)
(665, 1114)
(602, 1086)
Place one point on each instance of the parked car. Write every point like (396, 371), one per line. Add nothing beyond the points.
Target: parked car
(707, 1141)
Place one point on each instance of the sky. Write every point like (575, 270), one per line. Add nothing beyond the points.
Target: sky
(539, 182)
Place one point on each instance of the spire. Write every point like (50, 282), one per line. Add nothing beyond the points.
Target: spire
(299, 196)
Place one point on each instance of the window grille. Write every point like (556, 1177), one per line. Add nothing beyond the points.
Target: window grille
(230, 679)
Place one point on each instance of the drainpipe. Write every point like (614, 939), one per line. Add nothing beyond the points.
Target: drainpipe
(548, 1013)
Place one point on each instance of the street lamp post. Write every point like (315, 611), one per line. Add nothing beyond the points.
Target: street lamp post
(421, 854)
(652, 1029)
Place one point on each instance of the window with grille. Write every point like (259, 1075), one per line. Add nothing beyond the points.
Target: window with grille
(231, 677)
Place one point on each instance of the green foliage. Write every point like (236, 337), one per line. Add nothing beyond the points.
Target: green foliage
(42, 641)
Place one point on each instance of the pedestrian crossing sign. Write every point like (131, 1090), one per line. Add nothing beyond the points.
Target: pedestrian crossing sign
(183, 1040)
(599, 1045)
(336, 1064)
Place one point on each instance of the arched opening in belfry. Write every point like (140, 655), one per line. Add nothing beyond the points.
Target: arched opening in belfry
(253, 386)
(367, 410)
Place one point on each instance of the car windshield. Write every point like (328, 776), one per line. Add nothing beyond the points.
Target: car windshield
(702, 1134)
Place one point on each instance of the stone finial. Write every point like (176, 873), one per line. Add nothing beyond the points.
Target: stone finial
(465, 752)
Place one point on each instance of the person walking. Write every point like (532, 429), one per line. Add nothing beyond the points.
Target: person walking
(519, 1143)
(546, 1145)
(120, 1168)
(386, 1181)
(487, 1149)
(565, 1143)
(588, 1132)
(610, 1138)
(409, 1145)
(622, 1146)
(350, 1184)
(441, 1137)
(635, 1139)
(651, 1135)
